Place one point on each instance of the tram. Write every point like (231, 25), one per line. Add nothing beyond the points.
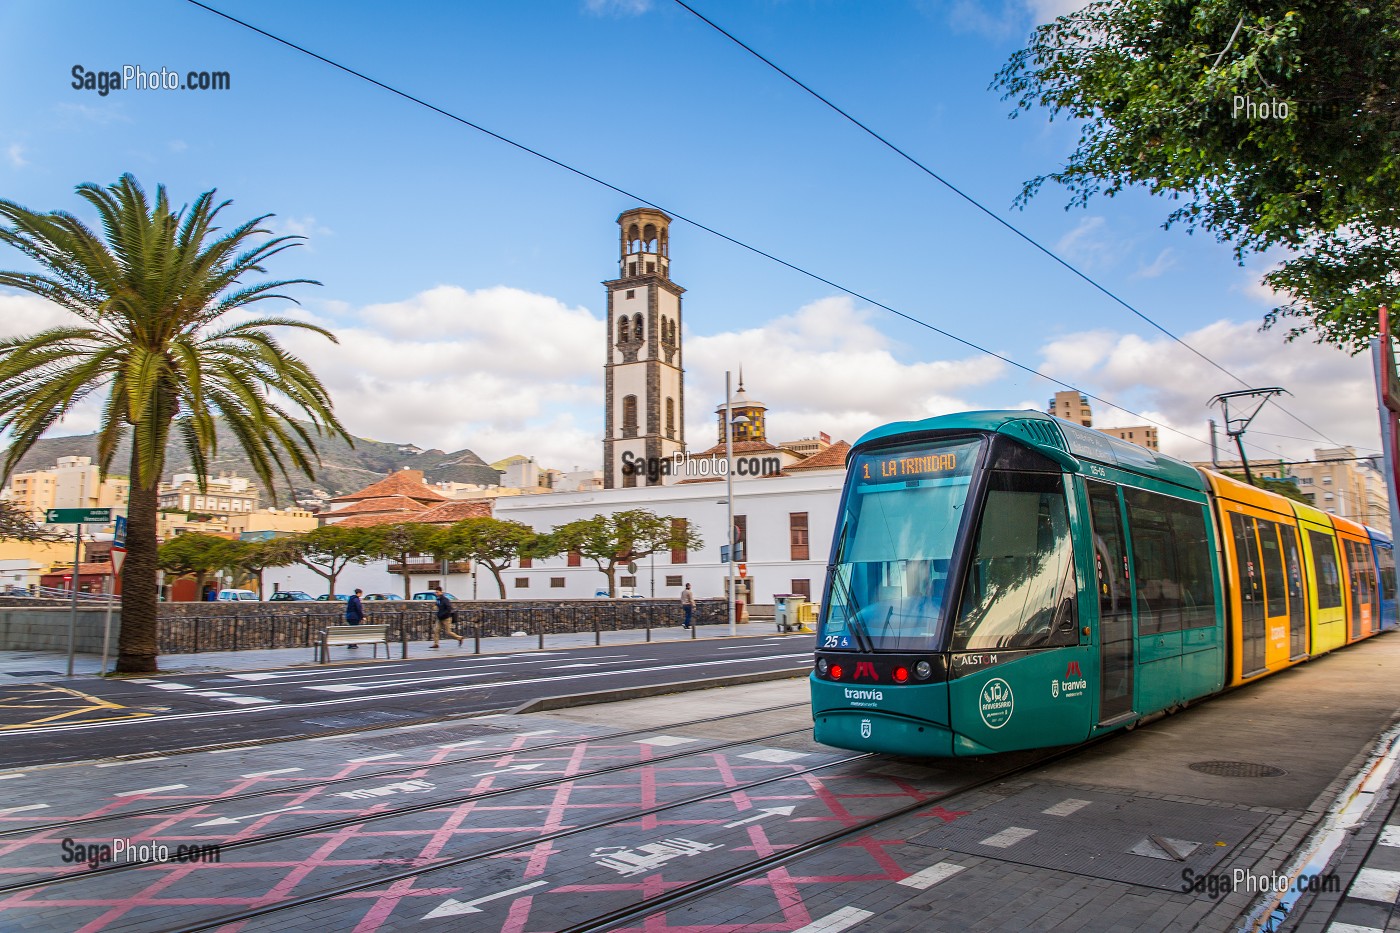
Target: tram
(1008, 580)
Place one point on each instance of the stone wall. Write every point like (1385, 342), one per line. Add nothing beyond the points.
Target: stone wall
(189, 628)
(40, 629)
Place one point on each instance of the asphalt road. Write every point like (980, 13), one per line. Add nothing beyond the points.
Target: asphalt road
(98, 719)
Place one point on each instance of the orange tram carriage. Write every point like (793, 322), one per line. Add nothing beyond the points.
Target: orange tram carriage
(1009, 580)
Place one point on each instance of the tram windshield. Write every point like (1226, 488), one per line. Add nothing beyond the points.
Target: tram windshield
(898, 523)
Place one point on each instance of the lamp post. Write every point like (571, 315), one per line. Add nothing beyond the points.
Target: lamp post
(729, 497)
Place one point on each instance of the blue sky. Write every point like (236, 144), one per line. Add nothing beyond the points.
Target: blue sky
(462, 275)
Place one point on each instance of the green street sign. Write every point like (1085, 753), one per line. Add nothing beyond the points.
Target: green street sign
(78, 516)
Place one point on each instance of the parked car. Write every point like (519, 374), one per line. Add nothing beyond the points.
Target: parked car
(325, 598)
(381, 596)
(431, 596)
(229, 596)
(291, 595)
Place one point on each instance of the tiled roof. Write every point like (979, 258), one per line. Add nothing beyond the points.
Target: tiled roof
(84, 568)
(381, 504)
(444, 514)
(740, 447)
(832, 458)
(450, 512)
(382, 518)
(399, 483)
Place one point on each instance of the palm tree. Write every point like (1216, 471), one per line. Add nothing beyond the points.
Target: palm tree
(153, 296)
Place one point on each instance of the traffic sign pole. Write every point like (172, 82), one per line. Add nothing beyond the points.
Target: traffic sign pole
(73, 606)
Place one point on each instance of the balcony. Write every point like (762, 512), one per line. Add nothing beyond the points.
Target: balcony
(428, 565)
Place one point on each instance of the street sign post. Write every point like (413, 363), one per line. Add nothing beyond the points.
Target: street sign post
(78, 516)
(118, 555)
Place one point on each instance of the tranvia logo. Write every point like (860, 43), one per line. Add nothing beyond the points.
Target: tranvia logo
(1073, 684)
(866, 669)
(865, 728)
(996, 703)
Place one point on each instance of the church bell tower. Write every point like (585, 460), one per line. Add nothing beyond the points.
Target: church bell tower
(643, 375)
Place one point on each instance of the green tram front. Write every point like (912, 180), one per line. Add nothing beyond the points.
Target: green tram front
(949, 623)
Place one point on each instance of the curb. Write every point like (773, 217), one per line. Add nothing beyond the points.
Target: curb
(544, 704)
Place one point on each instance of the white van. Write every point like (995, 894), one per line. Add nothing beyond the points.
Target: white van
(229, 596)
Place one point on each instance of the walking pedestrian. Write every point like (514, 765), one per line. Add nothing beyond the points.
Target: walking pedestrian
(446, 618)
(688, 604)
(354, 611)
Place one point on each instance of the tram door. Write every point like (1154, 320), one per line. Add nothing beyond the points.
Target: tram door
(1251, 595)
(1115, 604)
(1297, 608)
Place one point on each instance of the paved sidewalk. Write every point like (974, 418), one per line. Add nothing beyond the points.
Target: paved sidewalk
(17, 667)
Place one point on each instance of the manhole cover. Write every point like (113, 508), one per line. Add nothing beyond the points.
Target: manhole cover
(33, 673)
(1246, 769)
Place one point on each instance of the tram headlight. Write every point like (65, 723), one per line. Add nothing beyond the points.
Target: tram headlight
(923, 670)
(901, 675)
(822, 666)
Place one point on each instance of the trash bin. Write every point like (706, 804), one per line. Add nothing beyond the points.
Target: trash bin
(781, 610)
(788, 611)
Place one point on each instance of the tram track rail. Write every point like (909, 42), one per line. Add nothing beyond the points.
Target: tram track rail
(678, 896)
(67, 825)
(359, 819)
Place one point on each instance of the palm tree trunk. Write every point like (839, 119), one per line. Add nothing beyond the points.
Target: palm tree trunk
(136, 646)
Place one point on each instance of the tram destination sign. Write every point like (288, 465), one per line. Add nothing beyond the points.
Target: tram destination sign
(917, 464)
(78, 516)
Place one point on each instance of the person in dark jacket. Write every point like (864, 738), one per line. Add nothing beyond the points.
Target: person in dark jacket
(354, 611)
(446, 617)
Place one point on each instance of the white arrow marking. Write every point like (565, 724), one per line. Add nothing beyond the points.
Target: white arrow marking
(508, 770)
(230, 820)
(762, 815)
(150, 790)
(452, 907)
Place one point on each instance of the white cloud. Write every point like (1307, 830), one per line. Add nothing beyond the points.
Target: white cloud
(1043, 11)
(178, 145)
(822, 368)
(15, 153)
(1162, 380)
(617, 7)
(499, 370)
(1165, 260)
(299, 226)
(1090, 244)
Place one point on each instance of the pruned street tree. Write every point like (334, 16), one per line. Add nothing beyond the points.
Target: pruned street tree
(1272, 126)
(198, 555)
(492, 542)
(609, 540)
(403, 541)
(329, 549)
(255, 557)
(159, 337)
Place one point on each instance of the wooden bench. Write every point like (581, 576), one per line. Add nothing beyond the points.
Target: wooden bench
(375, 635)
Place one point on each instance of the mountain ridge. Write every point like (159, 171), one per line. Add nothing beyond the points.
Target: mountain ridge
(343, 469)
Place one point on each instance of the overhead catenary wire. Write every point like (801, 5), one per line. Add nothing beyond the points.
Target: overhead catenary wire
(685, 219)
(981, 207)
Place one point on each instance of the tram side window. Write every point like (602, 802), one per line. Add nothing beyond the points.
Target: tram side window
(1275, 590)
(1329, 581)
(1020, 588)
(1387, 572)
(1171, 563)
